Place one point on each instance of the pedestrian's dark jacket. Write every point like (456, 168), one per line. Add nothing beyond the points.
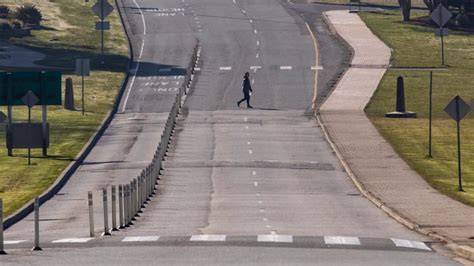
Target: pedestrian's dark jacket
(246, 86)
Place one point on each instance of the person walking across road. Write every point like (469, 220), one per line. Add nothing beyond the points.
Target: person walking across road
(247, 89)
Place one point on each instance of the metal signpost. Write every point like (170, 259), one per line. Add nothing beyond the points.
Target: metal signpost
(430, 123)
(29, 100)
(457, 109)
(441, 15)
(83, 67)
(102, 9)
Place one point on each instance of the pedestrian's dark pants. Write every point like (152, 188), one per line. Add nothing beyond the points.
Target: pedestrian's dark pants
(246, 98)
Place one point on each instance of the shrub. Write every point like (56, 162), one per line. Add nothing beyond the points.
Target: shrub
(4, 11)
(29, 14)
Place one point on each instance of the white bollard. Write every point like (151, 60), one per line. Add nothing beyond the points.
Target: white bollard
(106, 213)
(114, 209)
(91, 214)
(37, 205)
(2, 250)
(121, 199)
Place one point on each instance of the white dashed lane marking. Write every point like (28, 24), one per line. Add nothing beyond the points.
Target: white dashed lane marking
(254, 173)
(250, 152)
(410, 244)
(140, 239)
(248, 143)
(73, 240)
(258, 43)
(275, 238)
(255, 31)
(208, 238)
(341, 240)
(255, 184)
(286, 67)
(317, 68)
(225, 68)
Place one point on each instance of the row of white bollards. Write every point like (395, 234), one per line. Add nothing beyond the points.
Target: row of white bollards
(132, 198)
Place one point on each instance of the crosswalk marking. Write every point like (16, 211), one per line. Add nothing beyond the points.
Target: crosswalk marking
(13, 242)
(410, 244)
(73, 240)
(141, 238)
(275, 238)
(208, 238)
(225, 68)
(341, 240)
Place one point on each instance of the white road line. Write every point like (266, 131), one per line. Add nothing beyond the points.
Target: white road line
(234, 2)
(255, 184)
(196, 18)
(286, 67)
(257, 55)
(225, 68)
(410, 244)
(275, 238)
(140, 56)
(269, 226)
(255, 31)
(197, 69)
(265, 219)
(254, 173)
(255, 67)
(258, 43)
(262, 210)
(246, 119)
(250, 152)
(243, 11)
(248, 143)
(317, 68)
(13, 242)
(208, 238)
(147, 84)
(141, 238)
(246, 127)
(341, 240)
(250, 20)
(73, 240)
(260, 202)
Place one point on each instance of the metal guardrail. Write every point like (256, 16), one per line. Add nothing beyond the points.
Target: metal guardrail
(133, 196)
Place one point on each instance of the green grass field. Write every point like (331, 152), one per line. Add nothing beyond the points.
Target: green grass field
(68, 33)
(416, 46)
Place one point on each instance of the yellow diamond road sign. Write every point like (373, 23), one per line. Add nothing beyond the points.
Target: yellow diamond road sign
(457, 109)
(102, 9)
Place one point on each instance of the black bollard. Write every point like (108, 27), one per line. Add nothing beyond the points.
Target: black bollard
(69, 96)
(400, 103)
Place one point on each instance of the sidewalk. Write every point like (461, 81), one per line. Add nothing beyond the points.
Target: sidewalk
(376, 169)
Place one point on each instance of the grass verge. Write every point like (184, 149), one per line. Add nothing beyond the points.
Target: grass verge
(415, 46)
(68, 33)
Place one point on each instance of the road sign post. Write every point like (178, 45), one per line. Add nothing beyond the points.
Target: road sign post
(83, 69)
(30, 100)
(441, 16)
(102, 9)
(430, 132)
(457, 109)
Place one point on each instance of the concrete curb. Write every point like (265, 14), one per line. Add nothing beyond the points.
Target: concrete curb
(79, 159)
(462, 251)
